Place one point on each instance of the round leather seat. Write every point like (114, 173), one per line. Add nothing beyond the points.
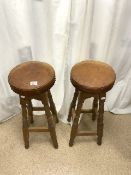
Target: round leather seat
(31, 77)
(93, 76)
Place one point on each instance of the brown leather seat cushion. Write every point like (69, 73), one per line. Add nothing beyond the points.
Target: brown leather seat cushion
(31, 77)
(93, 76)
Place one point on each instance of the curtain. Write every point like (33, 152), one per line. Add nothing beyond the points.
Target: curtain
(61, 33)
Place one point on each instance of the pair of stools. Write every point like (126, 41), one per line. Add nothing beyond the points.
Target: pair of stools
(34, 79)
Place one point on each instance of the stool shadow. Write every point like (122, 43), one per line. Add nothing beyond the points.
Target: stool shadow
(40, 138)
(86, 124)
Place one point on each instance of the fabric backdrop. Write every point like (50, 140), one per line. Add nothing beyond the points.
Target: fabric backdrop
(63, 32)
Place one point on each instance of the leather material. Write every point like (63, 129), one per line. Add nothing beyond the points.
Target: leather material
(31, 77)
(93, 76)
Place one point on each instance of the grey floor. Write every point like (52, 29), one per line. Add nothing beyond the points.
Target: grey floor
(113, 157)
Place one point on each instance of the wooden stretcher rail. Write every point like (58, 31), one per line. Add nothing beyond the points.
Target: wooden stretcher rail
(38, 129)
(86, 111)
(82, 133)
(38, 108)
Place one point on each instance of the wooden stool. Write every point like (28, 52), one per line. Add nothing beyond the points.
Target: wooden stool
(33, 80)
(90, 79)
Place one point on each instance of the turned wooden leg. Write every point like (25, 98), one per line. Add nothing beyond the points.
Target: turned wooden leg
(52, 107)
(30, 111)
(73, 104)
(100, 120)
(25, 122)
(51, 124)
(94, 108)
(76, 119)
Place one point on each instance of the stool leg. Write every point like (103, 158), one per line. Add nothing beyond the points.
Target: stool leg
(30, 111)
(51, 124)
(100, 120)
(76, 119)
(52, 106)
(73, 104)
(25, 122)
(94, 110)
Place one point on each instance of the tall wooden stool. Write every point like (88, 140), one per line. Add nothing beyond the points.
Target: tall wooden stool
(90, 79)
(33, 80)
